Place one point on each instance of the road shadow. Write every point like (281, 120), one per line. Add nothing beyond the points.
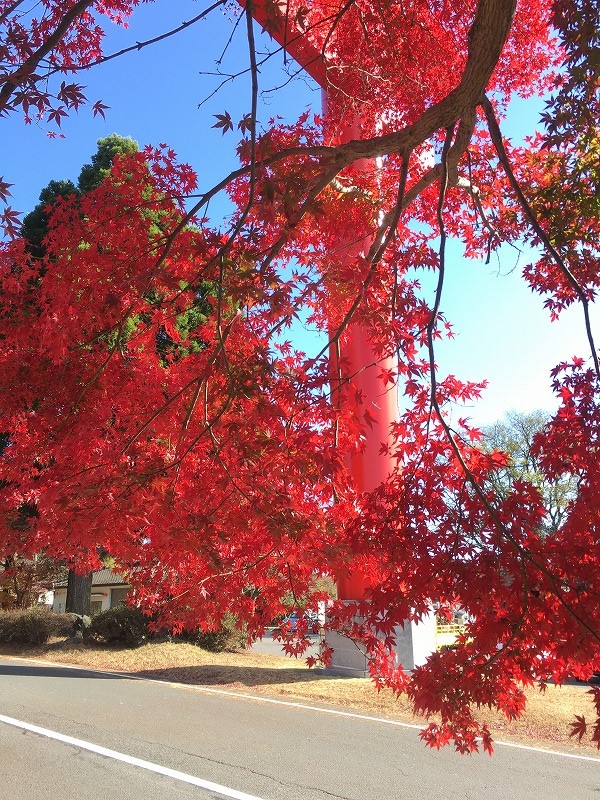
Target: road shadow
(31, 671)
(219, 675)
(194, 675)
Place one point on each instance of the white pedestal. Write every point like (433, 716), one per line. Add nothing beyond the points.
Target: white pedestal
(348, 658)
(414, 643)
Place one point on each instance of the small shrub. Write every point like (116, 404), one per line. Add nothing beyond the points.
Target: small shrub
(119, 625)
(33, 626)
(228, 637)
(62, 624)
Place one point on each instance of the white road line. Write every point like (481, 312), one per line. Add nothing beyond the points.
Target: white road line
(135, 762)
(290, 704)
(576, 756)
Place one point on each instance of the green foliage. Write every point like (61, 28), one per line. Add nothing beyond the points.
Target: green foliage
(324, 583)
(33, 627)
(35, 228)
(35, 224)
(515, 436)
(120, 625)
(229, 636)
(318, 583)
(93, 174)
(186, 324)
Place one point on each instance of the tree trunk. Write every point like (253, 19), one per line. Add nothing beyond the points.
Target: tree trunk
(79, 593)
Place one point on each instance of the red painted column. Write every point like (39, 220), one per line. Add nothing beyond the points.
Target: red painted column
(358, 360)
(360, 367)
(369, 467)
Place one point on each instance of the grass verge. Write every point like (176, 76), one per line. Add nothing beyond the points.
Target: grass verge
(545, 723)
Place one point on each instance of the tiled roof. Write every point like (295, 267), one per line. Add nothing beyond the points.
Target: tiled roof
(104, 577)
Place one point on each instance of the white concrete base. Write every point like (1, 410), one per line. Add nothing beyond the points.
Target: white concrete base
(348, 658)
(414, 643)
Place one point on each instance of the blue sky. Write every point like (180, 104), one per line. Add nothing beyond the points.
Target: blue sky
(502, 331)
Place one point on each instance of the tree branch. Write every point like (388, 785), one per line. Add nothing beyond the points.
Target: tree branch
(26, 70)
(496, 135)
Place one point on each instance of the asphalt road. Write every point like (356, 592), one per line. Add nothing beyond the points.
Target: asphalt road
(268, 750)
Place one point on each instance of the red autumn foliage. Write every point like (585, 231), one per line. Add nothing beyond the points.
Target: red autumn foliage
(153, 411)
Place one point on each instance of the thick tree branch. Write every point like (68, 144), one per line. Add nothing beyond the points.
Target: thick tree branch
(488, 35)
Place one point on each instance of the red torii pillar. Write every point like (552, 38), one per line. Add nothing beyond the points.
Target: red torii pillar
(361, 367)
(370, 467)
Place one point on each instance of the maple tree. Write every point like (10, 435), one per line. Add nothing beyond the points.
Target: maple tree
(34, 231)
(203, 452)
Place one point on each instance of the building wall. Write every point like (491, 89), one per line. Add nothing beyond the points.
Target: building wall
(103, 598)
(60, 598)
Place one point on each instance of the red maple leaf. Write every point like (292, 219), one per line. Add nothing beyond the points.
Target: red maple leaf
(579, 727)
(224, 122)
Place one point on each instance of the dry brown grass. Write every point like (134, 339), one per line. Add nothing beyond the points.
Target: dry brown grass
(546, 721)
